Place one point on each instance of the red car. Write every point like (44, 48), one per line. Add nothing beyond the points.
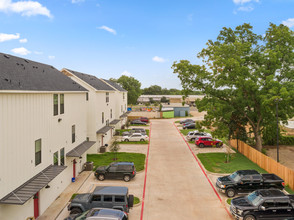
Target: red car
(208, 141)
(144, 119)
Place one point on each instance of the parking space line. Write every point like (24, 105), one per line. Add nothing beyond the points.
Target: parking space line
(199, 164)
(146, 167)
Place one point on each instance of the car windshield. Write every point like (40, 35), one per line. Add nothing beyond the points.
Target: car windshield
(254, 198)
(235, 177)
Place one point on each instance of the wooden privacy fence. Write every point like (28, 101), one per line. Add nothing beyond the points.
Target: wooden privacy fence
(265, 162)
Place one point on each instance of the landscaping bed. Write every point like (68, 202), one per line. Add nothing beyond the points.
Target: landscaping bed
(107, 158)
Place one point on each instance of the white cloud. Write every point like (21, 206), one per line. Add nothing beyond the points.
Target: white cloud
(38, 52)
(23, 40)
(246, 9)
(76, 1)
(289, 22)
(21, 51)
(241, 2)
(25, 8)
(108, 29)
(126, 73)
(158, 59)
(51, 57)
(7, 37)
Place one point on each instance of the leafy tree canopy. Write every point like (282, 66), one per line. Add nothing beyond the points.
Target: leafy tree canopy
(243, 76)
(132, 85)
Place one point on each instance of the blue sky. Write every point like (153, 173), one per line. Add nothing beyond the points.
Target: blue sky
(108, 38)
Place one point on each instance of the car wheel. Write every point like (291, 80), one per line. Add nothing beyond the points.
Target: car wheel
(201, 145)
(230, 193)
(101, 177)
(192, 139)
(142, 140)
(127, 178)
(75, 211)
(249, 217)
(126, 140)
(131, 201)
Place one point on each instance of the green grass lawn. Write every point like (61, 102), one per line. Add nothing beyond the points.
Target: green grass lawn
(229, 201)
(215, 162)
(136, 200)
(123, 130)
(177, 121)
(107, 158)
(133, 142)
(289, 190)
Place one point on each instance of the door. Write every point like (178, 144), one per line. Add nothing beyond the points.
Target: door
(245, 184)
(36, 205)
(107, 201)
(96, 201)
(111, 173)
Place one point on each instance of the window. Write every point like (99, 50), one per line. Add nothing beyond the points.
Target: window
(96, 198)
(110, 113)
(62, 157)
(121, 108)
(38, 154)
(268, 203)
(107, 97)
(282, 203)
(112, 168)
(102, 117)
(73, 134)
(55, 158)
(61, 103)
(119, 199)
(87, 96)
(107, 122)
(107, 198)
(55, 104)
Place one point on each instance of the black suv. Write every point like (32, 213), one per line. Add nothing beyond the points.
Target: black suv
(263, 204)
(116, 170)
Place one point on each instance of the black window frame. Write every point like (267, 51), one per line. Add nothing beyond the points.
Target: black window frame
(62, 162)
(107, 97)
(55, 104)
(38, 154)
(73, 133)
(107, 196)
(61, 103)
(87, 96)
(102, 117)
(55, 158)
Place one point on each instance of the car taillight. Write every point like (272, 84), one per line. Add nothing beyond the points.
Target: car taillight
(283, 183)
(133, 172)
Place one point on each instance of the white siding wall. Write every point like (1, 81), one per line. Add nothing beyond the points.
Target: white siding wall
(28, 117)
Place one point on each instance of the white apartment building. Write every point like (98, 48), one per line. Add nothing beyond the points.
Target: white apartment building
(43, 135)
(107, 107)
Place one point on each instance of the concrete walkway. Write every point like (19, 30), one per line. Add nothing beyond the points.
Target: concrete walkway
(53, 211)
(176, 187)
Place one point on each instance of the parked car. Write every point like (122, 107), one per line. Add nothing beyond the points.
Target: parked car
(208, 142)
(114, 197)
(187, 120)
(116, 170)
(100, 214)
(134, 130)
(144, 119)
(135, 137)
(189, 126)
(263, 204)
(247, 181)
(192, 135)
(137, 122)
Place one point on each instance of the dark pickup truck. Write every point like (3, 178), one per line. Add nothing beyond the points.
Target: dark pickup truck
(245, 181)
(263, 204)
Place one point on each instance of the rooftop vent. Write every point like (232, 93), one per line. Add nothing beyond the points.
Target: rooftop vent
(6, 56)
(26, 61)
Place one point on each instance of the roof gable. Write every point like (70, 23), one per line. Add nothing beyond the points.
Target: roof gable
(21, 74)
(92, 81)
(115, 85)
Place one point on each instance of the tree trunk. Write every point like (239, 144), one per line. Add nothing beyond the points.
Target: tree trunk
(258, 139)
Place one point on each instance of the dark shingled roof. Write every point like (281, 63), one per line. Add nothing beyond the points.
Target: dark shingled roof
(92, 81)
(103, 130)
(32, 186)
(115, 85)
(114, 122)
(20, 74)
(80, 149)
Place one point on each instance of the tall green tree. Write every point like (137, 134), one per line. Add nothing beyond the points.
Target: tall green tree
(243, 75)
(132, 85)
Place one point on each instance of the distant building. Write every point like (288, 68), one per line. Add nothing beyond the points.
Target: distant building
(190, 100)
